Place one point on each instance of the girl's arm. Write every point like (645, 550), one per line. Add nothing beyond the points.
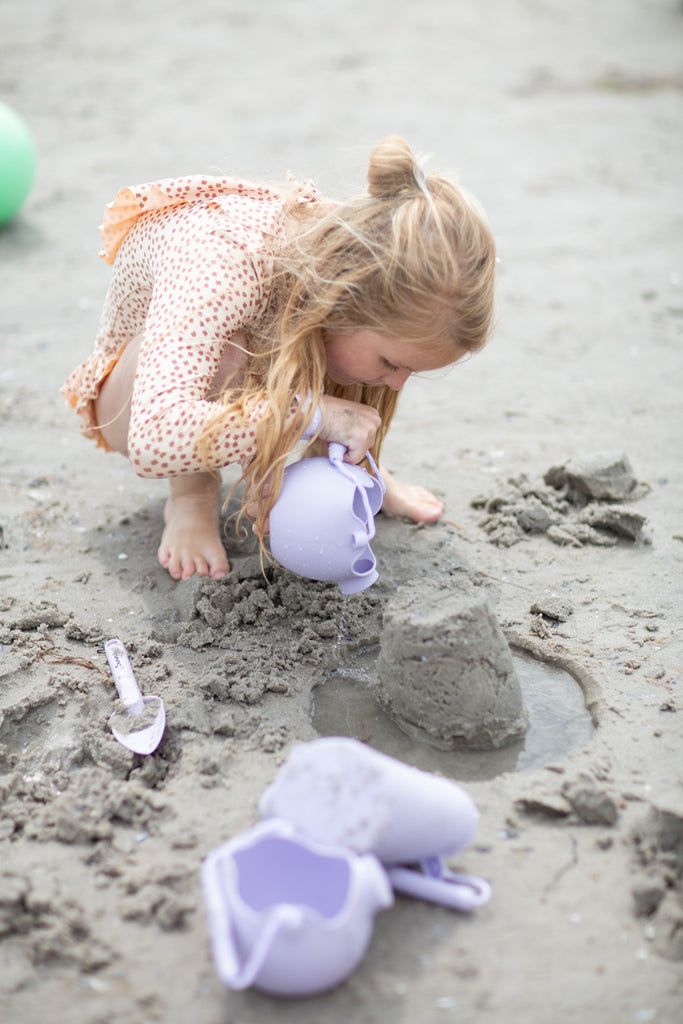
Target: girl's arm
(206, 289)
(196, 310)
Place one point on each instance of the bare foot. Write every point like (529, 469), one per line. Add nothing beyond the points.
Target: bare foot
(411, 501)
(191, 542)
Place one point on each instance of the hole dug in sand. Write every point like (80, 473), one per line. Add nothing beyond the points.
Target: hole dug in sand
(444, 692)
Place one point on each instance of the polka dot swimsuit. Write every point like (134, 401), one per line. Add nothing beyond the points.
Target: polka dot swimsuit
(190, 257)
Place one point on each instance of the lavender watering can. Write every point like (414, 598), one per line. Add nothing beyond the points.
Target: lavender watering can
(288, 915)
(323, 520)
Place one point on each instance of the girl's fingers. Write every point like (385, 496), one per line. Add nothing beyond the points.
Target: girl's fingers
(351, 424)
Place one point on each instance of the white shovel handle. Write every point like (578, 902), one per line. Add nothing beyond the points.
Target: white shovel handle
(122, 671)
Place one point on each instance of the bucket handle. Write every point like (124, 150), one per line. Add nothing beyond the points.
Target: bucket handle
(433, 882)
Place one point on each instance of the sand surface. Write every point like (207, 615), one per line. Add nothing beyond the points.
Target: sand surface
(565, 119)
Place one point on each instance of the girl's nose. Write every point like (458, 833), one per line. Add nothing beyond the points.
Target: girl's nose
(396, 379)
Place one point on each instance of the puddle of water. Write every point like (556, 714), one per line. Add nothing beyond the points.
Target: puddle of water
(559, 722)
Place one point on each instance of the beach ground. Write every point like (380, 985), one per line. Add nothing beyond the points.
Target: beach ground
(565, 120)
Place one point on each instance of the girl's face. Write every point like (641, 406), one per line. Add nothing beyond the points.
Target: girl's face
(360, 356)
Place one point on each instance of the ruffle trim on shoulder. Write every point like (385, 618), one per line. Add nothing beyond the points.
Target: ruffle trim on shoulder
(303, 191)
(132, 202)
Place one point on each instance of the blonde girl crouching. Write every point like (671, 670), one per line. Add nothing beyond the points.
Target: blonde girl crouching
(302, 317)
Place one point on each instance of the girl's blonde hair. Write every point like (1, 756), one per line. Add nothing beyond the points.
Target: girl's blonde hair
(413, 259)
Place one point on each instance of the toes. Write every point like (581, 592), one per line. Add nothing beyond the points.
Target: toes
(427, 508)
(189, 567)
(183, 566)
(219, 571)
(168, 562)
(202, 556)
(201, 566)
(165, 555)
(430, 517)
(175, 569)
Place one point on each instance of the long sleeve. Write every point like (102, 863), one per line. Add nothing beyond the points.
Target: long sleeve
(201, 298)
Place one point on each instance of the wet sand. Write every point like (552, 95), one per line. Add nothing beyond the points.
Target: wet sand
(565, 120)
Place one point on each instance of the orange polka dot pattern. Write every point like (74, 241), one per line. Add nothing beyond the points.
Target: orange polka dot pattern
(190, 259)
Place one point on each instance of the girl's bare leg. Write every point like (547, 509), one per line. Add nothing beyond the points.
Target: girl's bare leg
(191, 541)
(411, 501)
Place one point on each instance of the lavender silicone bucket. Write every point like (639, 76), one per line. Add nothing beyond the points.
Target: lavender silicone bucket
(323, 522)
(287, 915)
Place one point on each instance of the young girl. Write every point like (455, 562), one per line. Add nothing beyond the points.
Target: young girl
(242, 318)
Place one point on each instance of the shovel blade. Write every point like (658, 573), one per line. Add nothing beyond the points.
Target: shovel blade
(147, 737)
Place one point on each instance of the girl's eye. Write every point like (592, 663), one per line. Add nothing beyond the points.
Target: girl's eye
(389, 366)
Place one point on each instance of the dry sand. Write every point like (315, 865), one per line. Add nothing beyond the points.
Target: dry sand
(565, 119)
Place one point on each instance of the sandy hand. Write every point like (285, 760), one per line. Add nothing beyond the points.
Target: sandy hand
(351, 424)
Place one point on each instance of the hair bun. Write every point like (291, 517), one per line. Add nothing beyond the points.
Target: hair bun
(394, 170)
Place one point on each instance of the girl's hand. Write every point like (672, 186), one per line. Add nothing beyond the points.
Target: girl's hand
(351, 424)
(410, 500)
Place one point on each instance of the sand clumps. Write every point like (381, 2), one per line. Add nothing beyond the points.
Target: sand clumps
(578, 502)
(657, 892)
(445, 670)
(601, 477)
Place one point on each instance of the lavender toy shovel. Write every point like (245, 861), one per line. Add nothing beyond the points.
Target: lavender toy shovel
(141, 723)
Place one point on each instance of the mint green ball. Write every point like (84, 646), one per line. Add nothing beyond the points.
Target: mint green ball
(17, 162)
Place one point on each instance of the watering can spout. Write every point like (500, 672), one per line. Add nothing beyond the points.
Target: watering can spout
(359, 582)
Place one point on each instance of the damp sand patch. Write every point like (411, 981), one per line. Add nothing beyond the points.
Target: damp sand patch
(38, 726)
(346, 704)
(443, 691)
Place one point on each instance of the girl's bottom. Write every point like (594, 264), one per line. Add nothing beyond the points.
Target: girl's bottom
(191, 542)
